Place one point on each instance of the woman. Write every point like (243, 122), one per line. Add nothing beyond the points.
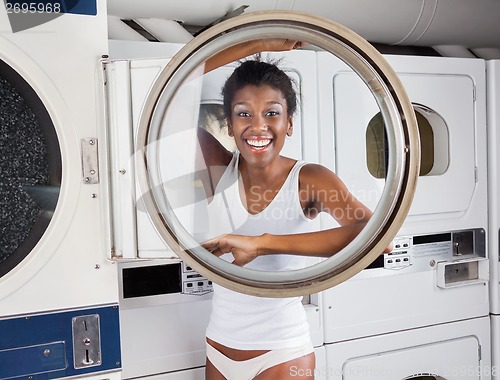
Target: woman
(253, 337)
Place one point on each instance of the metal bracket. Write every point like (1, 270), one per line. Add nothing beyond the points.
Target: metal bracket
(90, 161)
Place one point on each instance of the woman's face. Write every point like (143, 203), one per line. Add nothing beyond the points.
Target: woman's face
(259, 123)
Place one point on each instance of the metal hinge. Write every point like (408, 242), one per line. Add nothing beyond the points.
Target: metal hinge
(90, 161)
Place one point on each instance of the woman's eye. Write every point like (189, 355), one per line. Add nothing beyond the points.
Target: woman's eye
(272, 113)
(243, 114)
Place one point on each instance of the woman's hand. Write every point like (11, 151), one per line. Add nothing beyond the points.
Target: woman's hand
(279, 44)
(246, 49)
(243, 248)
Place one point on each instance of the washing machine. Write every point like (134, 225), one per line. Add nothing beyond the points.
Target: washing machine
(493, 75)
(449, 351)
(58, 291)
(438, 270)
(173, 316)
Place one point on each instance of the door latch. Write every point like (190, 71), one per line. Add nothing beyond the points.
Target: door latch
(90, 161)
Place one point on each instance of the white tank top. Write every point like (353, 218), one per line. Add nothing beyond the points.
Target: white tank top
(248, 322)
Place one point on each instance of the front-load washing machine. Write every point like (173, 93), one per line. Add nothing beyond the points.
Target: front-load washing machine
(58, 292)
(438, 270)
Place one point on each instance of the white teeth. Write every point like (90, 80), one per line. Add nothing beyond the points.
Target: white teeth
(259, 143)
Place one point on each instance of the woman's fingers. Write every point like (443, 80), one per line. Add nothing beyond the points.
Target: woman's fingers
(217, 246)
(212, 244)
(281, 44)
(243, 248)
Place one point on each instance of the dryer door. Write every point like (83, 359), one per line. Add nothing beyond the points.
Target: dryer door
(444, 101)
(168, 165)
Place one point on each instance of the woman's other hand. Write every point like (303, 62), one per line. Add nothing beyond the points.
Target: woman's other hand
(280, 44)
(246, 49)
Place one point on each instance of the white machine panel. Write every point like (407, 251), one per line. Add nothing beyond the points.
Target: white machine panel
(493, 73)
(451, 351)
(495, 345)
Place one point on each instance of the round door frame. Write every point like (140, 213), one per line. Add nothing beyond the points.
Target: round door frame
(402, 136)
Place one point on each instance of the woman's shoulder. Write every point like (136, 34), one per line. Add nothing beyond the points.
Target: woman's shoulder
(313, 170)
(317, 175)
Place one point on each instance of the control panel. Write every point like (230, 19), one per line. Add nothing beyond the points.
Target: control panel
(160, 282)
(401, 254)
(193, 282)
(458, 257)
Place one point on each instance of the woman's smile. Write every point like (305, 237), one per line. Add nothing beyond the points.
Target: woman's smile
(259, 143)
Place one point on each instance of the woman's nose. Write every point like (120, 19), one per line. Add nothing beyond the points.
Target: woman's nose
(259, 123)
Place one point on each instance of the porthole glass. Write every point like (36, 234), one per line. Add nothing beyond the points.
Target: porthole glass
(433, 133)
(168, 155)
(425, 377)
(30, 168)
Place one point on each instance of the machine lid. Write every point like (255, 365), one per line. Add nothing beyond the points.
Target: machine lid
(30, 168)
(160, 135)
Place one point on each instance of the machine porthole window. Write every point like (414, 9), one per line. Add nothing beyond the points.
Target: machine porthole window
(433, 133)
(171, 103)
(30, 167)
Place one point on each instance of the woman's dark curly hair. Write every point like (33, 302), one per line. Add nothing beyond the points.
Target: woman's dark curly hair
(258, 73)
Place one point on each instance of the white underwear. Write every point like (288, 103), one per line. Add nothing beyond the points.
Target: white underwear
(248, 369)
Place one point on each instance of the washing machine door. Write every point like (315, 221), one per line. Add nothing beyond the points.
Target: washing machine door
(30, 168)
(167, 150)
